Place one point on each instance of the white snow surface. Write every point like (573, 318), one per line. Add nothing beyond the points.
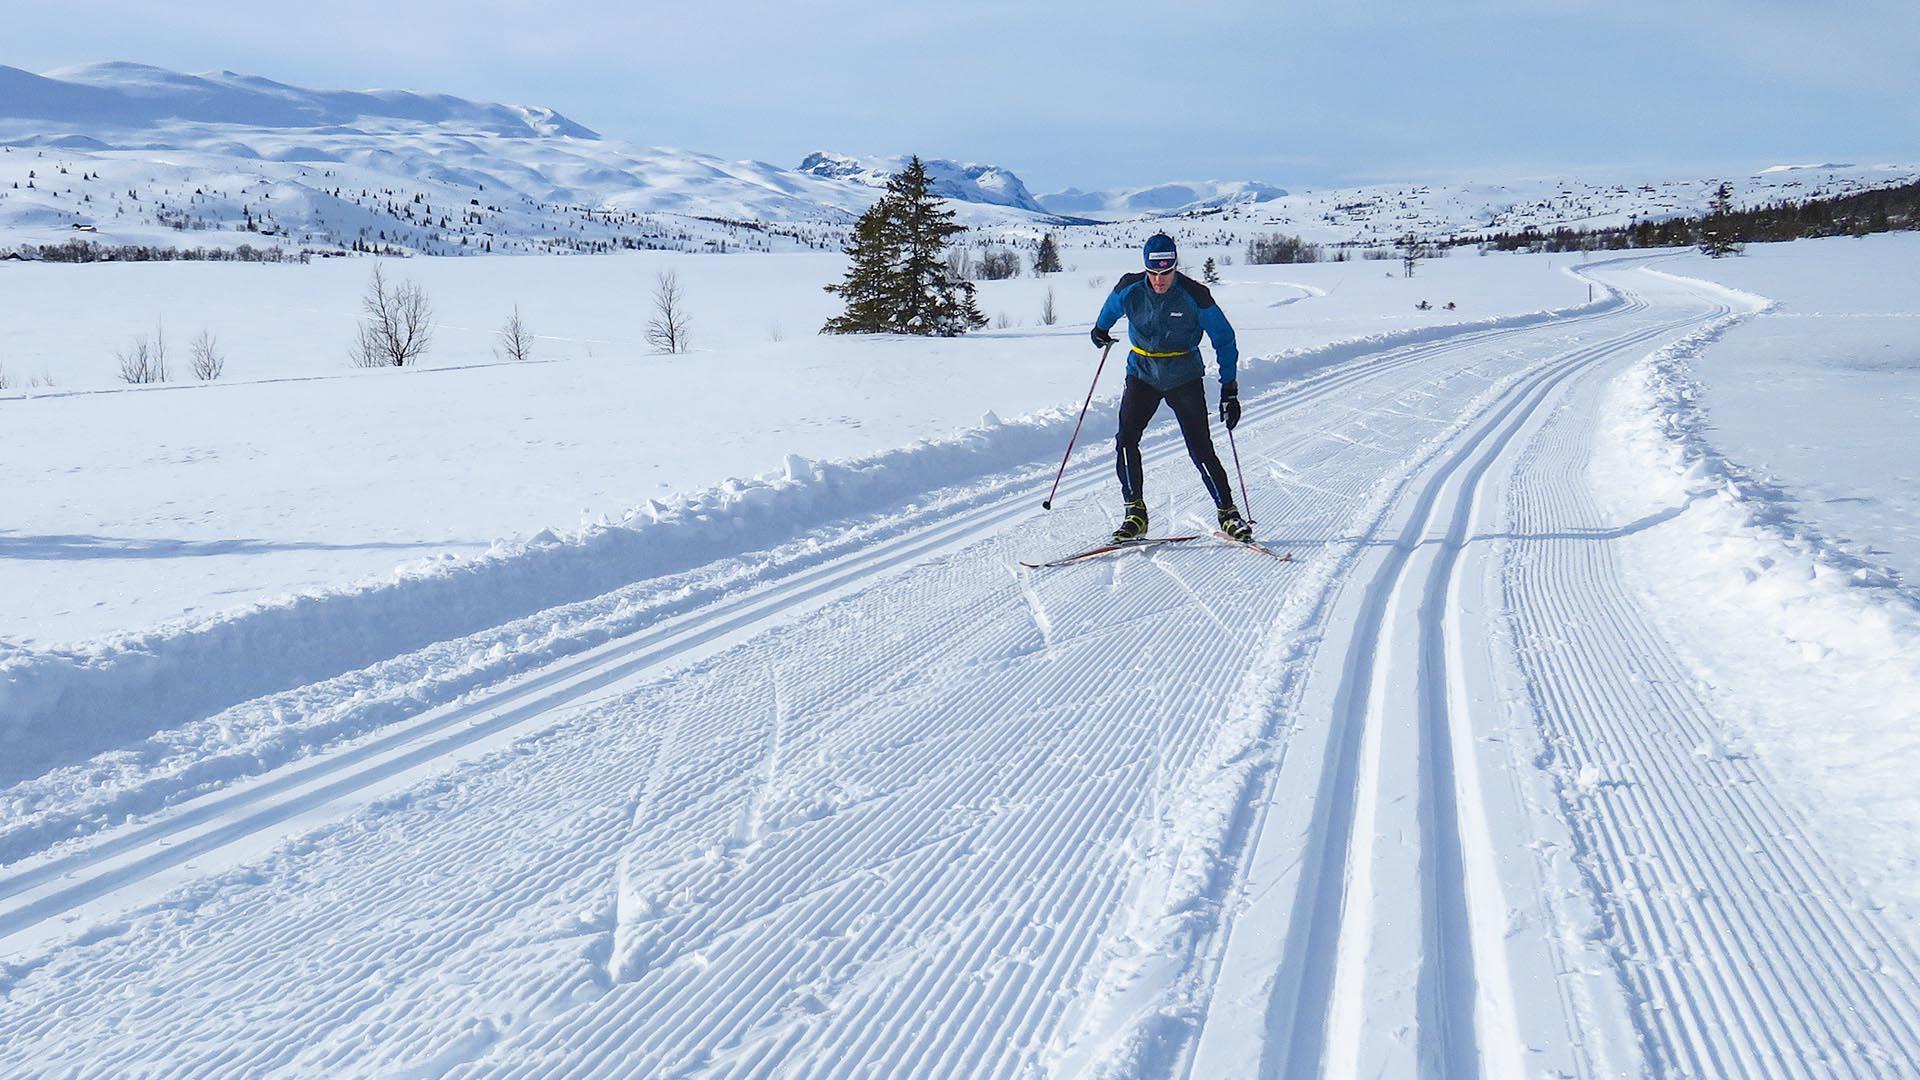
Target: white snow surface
(1768, 461)
(808, 775)
(132, 507)
(124, 153)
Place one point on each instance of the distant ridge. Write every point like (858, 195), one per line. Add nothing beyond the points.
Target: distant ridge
(118, 95)
(962, 180)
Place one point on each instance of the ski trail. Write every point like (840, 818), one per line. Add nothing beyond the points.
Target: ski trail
(1744, 953)
(1232, 817)
(1343, 969)
(944, 786)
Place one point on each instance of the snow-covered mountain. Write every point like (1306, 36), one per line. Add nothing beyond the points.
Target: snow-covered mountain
(963, 181)
(142, 154)
(1181, 197)
(138, 154)
(125, 96)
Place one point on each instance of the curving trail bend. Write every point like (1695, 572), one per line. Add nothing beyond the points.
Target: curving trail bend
(1423, 802)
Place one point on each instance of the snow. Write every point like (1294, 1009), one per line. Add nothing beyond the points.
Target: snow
(848, 792)
(1818, 397)
(619, 714)
(1794, 605)
(185, 500)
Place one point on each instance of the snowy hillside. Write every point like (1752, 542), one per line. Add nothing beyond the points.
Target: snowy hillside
(133, 154)
(126, 153)
(120, 96)
(1184, 197)
(963, 181)
(1377, 215)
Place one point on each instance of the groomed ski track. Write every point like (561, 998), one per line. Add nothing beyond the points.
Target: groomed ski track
(1426, 801)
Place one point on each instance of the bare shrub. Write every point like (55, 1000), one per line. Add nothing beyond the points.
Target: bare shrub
(208, 363)
(396, 327)
(1281, 248)
(1001, 322)
(667, 331)
(5, 383)
(144, 361)
(1049, 314)
(516, 342)
(997, 264)
(775, 333)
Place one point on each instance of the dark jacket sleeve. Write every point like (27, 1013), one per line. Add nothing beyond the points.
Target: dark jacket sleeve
(1226, 350)
(1116, 305)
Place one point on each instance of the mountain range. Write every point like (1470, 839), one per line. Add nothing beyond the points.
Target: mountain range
(139, 154)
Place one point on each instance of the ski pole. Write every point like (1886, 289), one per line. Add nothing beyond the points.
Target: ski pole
(1047, 503)
(1245, 502)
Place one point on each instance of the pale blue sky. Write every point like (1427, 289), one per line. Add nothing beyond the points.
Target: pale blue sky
(1116, 94)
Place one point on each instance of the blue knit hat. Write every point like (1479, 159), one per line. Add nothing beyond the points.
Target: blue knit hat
(1160, 253)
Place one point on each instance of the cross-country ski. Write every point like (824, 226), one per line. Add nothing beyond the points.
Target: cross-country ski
(806, 544)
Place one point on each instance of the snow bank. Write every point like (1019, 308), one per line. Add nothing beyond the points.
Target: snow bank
(64, 705)
(1819, 651)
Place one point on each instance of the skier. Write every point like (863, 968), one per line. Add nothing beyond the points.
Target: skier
(1166, 312)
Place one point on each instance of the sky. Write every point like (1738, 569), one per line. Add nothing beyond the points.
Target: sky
(1121, 94)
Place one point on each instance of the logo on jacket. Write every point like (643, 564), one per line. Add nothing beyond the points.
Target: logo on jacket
(1177, 314)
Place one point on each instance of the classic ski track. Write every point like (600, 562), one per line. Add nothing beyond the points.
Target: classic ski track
(939, 870)
(1319, 983)
(123, 858)
(1743, 951)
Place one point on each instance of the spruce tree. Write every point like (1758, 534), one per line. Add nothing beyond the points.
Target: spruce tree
(1209, 273)
(1047, 261)
(867, 288)
(1716, 232)
(897, 280)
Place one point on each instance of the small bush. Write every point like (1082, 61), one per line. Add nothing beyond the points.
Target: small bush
(208, 364)
(516, 343)
(667, 332)
(397, 326)
(1281, 248)
(145, 361)
(997, 264)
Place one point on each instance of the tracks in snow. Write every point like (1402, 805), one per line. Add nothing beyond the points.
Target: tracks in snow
(1372, 935)
(53, 897)
(978, 822)
(1742, 949)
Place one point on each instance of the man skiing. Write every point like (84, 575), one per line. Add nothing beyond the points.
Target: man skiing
(1166, 312)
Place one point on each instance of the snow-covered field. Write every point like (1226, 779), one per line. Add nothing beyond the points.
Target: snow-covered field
(1818, 396)
(1771, 465)
(617, 714)
(133, 507)
(837, 788)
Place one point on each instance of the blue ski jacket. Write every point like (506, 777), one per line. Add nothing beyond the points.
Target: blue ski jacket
(1165, 330)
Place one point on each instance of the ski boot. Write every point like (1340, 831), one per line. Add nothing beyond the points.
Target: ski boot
(1135, 526)
(1235, 526)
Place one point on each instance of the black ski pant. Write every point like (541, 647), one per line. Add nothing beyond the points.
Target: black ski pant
(1189, 402)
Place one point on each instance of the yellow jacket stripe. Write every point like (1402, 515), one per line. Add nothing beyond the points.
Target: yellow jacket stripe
(1161, 355)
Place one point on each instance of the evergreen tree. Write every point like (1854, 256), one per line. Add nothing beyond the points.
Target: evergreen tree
(870, 272)
(1716, 232)
(897, 280)
(1209, 273)
(1048, 259)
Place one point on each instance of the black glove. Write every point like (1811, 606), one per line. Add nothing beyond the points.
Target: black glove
(1101, 339)
(1230, 404)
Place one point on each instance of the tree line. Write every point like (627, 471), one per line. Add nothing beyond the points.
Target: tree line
(1723, 227)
